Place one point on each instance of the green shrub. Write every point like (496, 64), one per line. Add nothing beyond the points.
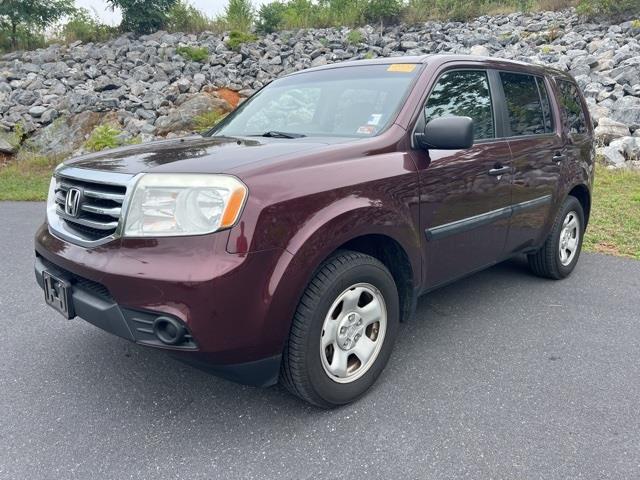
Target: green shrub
(86, 28)
(184, 17)
(238, 15)
(238, 38)
(270, 17)
(195, 54)
(383, 11)
(107, 136)
(614, 9)
(24, 39)
(354, 37)
(301, 14)
(208, 120)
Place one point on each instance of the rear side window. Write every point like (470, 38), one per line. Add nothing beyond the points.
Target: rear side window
(463, 93)
(524, 104)
(570, 101)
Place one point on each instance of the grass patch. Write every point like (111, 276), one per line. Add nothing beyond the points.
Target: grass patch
(614, 226)
(208, 120)
(195, 54)
(237, 38)
(107, 136)
(26, 177)
(354, 37)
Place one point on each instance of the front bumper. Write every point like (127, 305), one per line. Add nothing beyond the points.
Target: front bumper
(226, 301)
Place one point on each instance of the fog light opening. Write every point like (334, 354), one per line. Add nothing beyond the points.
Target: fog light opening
(169, 331)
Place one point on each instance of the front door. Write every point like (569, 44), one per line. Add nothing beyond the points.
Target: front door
(465, 195)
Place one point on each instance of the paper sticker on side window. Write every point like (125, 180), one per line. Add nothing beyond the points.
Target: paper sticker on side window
(402, 67)
(374, 119)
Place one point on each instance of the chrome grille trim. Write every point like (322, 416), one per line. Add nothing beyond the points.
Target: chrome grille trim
(100, 216)
(86, 222)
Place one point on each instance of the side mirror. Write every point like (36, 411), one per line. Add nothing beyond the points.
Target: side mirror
(447, 133)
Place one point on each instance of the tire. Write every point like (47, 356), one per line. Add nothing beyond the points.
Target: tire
(553, 261)
(339, 307)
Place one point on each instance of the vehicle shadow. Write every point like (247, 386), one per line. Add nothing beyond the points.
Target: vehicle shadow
(155, 386)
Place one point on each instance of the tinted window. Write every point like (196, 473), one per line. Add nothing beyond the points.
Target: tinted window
(523, 104)
(463, 93)
(570, 100)
(546, 106)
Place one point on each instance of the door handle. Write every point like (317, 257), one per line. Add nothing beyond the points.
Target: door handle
(499, 171)
(559, 157)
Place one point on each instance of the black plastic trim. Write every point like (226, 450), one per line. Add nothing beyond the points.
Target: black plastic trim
(259, 373)
(466, 224)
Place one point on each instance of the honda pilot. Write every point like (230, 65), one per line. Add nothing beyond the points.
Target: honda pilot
(288, 243)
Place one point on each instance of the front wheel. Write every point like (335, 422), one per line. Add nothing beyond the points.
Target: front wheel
(559, 255)
(343, 331)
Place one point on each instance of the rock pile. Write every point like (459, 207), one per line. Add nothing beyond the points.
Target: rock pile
(58, 94)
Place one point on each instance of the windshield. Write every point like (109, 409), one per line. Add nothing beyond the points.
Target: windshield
(358, 101)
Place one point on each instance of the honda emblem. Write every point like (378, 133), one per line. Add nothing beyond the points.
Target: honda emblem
(72, 202)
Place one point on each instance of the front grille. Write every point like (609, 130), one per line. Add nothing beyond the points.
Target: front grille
(97, 210)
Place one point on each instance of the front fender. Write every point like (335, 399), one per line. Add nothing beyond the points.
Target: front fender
(324, 232)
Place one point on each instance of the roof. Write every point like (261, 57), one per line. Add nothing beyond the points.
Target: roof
(441, 58)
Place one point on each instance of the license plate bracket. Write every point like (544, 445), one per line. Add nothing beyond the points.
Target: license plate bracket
(57, 294)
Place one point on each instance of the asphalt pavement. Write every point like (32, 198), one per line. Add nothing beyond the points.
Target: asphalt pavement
(502, 375)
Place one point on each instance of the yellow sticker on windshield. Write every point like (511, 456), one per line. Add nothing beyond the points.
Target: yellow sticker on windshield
(402, 67)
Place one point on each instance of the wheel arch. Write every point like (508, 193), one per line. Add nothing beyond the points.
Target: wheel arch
(583, 195)
(388, 251)
(366, 230)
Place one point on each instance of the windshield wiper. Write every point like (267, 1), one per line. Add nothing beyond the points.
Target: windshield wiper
(277, 134)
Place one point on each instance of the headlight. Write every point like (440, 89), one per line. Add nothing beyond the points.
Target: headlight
(183, 204)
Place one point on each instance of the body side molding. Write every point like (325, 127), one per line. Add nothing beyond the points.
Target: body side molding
(466, 224)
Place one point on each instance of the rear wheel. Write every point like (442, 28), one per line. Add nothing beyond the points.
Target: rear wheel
(343, 331)
(559, 255)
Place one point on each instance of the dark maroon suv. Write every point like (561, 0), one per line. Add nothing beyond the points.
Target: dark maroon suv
(288, 243)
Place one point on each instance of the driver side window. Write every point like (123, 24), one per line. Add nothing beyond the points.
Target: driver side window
(463, 93)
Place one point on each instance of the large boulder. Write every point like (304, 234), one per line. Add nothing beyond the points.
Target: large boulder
(608, 130)
(183, 117)
(65, 135)
(7, 146)
(627, 110)
(611, 156)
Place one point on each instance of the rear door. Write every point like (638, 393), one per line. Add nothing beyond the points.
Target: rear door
(465, 195)
(538, 150)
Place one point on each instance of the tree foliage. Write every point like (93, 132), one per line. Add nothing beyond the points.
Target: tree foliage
(143, 16)
(31, 16)
(270, 17)
(239, 15)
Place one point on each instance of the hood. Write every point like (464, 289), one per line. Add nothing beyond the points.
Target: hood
(197, 154)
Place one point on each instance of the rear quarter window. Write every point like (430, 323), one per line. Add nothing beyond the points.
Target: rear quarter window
(574, 116)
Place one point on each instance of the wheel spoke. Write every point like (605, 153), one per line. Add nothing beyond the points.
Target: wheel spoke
(563, 255)
(371, 312)
(330, 331)
(567, 219)
(350, 299)
(364, 349)
(572, 244)
(572, 225)
(338, 364)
